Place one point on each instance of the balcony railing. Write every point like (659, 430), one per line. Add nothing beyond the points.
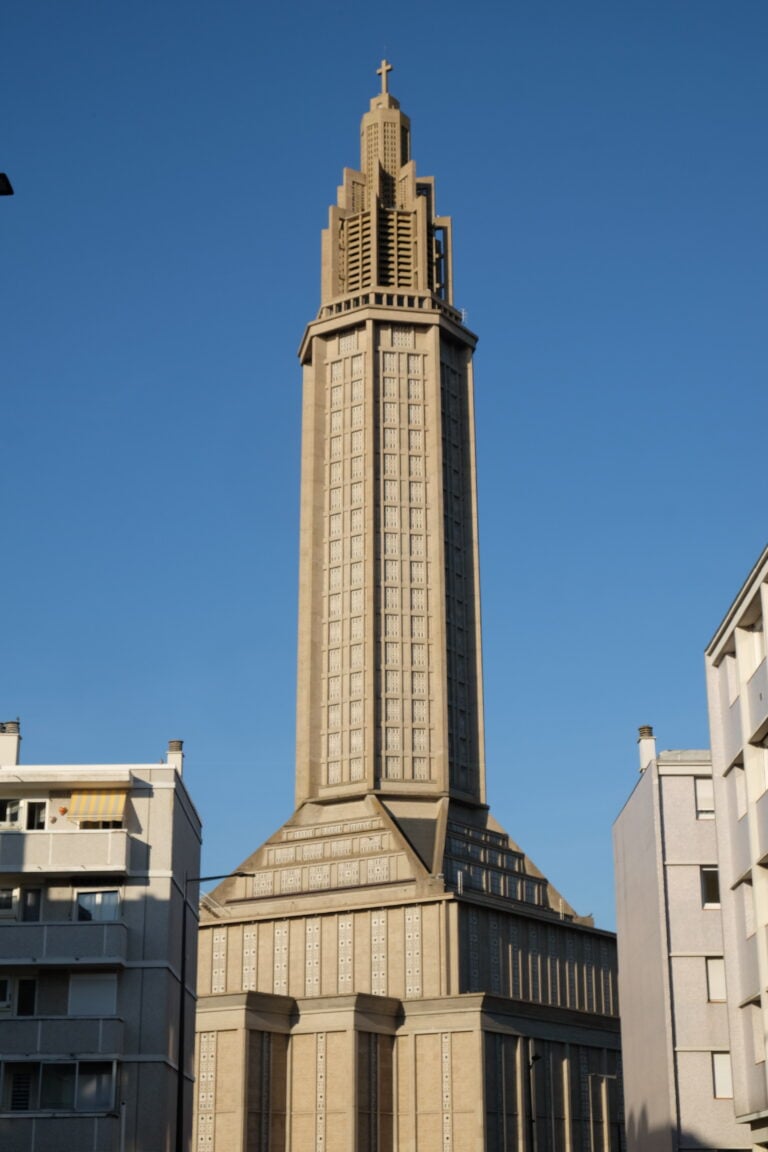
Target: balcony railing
(732, 736)
(102, 850)
(757, 695)
(62, 1035)
(92, 942)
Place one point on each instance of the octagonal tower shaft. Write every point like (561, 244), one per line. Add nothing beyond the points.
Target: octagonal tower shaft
(389, 667)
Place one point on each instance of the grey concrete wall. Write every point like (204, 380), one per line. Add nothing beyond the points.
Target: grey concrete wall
(643, 984)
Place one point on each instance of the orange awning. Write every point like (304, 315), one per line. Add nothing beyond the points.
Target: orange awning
(97, 805)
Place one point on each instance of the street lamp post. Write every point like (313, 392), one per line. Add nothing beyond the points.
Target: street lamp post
(180, 1146)
(533, 1058)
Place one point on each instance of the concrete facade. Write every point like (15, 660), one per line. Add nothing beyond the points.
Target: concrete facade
(390, 971)
(93, 861)
(675, 1040)
(737, 685)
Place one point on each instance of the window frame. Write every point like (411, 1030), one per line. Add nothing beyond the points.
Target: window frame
(9, 912)
(25, 806)
(26, 907)
(5, 823)
(704, 797)
(59, 1066)
(96, 919)
(14, 987)
(82, 1069)
(40, 806)
(706, 873)
(715, 973)
(20, 905)
(26, 991)
(722, 1076)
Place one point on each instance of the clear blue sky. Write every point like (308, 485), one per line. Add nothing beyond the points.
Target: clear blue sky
(605, 167)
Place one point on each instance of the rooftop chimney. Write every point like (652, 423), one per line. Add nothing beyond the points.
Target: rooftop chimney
(646, 746)
(10, 739)
(176, 755)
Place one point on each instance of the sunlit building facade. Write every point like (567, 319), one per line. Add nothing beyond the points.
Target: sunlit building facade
(737, 684)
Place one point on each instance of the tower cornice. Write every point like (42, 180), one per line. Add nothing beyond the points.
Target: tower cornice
(351, 311)
(384, 231)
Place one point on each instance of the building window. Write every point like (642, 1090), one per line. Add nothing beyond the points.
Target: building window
(95, 1086)
(705, 800)
(30, 900)
(715, 978)
(97, 905)
(35, 815)
(18, 996)
(21, 1084)
(26, 997)
(710, 888)
(722, 1082)
(87, 1086)
(7, 908)
(57, 1086)
(9, 813)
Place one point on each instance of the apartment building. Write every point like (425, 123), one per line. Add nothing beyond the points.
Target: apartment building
(94, 861)
(674, 1027)
(737, 686)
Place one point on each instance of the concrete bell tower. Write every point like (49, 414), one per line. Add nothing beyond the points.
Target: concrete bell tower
(389, 682)
(389, 972)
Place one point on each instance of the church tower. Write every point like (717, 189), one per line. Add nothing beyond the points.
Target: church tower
(390, 691)
(389, 971)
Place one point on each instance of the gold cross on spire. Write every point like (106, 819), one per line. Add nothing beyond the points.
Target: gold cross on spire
(385, 68)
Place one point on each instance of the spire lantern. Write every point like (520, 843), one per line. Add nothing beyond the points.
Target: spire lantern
(383, 231)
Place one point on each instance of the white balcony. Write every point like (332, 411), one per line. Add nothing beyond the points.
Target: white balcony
(740, 852)
(87, 942)
(71, 851)
(757, 697)
(732, 737)
(761, 847)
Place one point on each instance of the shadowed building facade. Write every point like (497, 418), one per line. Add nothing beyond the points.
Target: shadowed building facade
(393, 972)
(93, 867)
(674, 1018)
